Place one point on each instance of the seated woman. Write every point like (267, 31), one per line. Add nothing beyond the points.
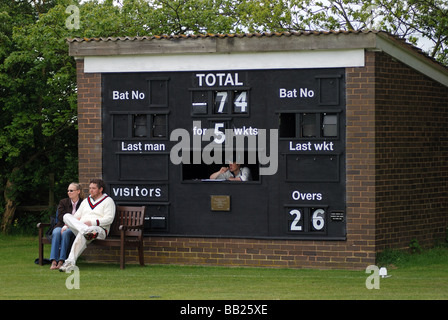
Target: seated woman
(234, 172)
(62, 236)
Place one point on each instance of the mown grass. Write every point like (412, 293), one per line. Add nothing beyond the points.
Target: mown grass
(419, 276)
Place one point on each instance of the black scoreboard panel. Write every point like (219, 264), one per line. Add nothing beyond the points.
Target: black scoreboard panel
(165, 133)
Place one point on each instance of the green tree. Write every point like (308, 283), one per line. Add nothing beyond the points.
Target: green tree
(38, 103)
(424, 20)
(413, 19)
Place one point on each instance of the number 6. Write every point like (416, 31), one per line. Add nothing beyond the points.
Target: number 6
(318, 219)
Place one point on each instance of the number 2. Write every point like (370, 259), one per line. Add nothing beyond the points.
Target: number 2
(294, 225)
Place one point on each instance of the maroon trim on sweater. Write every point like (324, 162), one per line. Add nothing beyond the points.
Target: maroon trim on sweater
(93, 206)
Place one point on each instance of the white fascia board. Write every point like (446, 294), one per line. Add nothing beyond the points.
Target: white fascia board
(413, 60)
(227, 61)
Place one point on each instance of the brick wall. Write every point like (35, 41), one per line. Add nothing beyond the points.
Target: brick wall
(241, 252)
(89, 126)
(412, 156)
(388, 175)
(360, 162)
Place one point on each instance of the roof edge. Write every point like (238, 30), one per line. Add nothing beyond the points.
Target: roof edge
(261, 42)
(220, 43)
(413, 57)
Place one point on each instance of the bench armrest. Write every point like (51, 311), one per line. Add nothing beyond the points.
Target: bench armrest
(41, 225)
(138, 227)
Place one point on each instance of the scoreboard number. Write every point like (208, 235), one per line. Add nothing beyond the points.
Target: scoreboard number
(295, 223)
(221, 102)
(317, 219)
(240, 102)
(220, 135)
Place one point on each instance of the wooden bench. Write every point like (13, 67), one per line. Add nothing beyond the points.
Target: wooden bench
(126, 231)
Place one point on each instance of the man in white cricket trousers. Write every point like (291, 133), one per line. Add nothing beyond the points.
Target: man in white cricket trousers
(91, 221)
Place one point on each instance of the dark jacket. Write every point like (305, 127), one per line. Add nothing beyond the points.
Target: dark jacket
(65, 206)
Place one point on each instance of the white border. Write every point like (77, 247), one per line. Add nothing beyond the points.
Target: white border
(228, 61)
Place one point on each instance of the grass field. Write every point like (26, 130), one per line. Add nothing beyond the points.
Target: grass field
(418, 276)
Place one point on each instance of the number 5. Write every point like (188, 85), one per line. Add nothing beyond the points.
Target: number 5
(219, 133)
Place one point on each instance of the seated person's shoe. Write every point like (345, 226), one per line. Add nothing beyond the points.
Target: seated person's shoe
(90, 235)
(67, 266)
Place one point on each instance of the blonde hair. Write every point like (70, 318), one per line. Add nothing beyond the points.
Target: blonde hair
(78, 187)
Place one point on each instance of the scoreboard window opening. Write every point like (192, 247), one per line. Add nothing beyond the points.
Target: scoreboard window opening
(203, 171)
(158, 92)
(308, 125)
(139, 125)
(220, 102)
(150, 125)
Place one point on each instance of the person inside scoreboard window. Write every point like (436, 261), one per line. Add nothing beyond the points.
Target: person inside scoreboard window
(234, 172)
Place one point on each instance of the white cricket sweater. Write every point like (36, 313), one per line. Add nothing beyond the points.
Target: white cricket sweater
(99, 213)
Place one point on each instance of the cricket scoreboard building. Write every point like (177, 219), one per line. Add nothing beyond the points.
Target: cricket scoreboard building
(172, 111)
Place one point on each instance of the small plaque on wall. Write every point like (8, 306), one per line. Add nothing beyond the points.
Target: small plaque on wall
(220, 203)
